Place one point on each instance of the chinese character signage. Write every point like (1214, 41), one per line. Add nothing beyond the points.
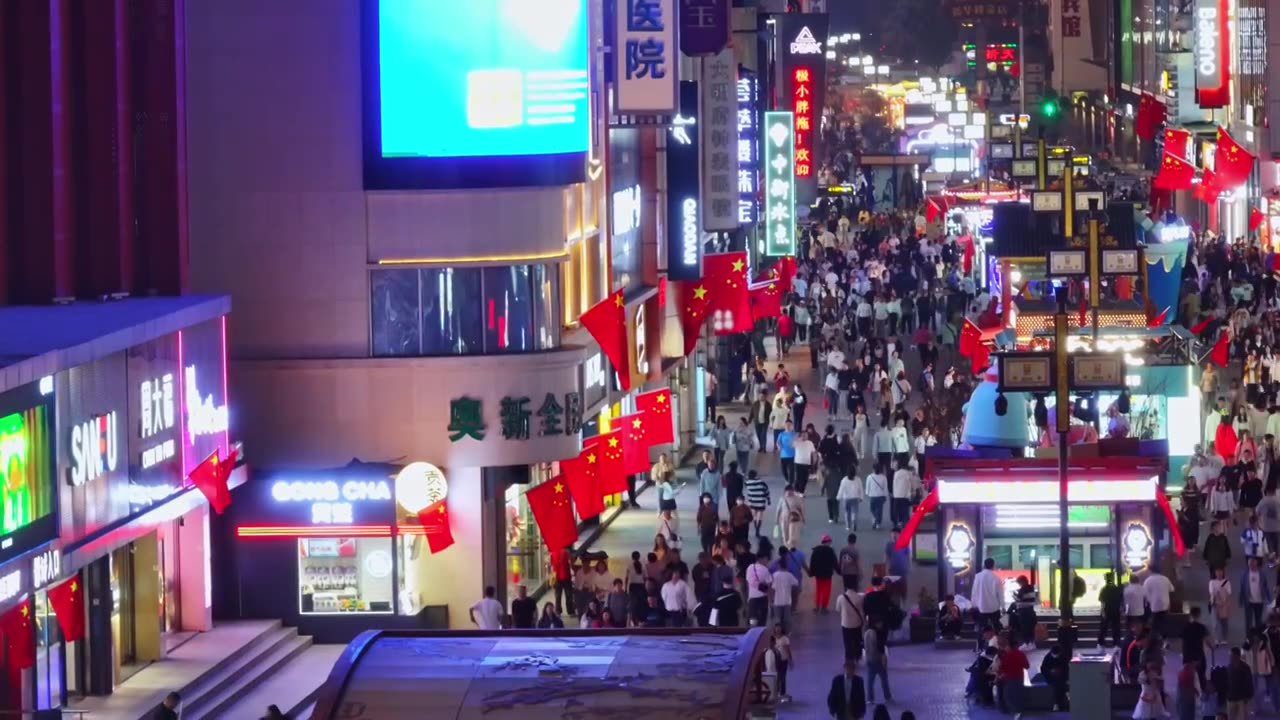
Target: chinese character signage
(645, 58)
(779, 184)
(684, 226)
(704, 26)
(154, 393)
(518, 417)
(718, 115)
(804, 39)
(980, 9)
(748, 146)
(1251, 29)
(1071, 19)
(1212, 54)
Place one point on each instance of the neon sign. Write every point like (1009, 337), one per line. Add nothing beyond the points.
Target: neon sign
(1212, 53)
(331, 502)
(802, 106)
(805, 43)
(159, 410)
(748, 151)
(203, 416)
(1136, 543)
(959, 545)
(95, 449)
(780, 184)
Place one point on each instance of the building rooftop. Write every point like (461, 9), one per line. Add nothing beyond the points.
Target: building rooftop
(39, 340)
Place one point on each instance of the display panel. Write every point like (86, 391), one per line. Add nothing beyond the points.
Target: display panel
(27, 498)
(487, 93)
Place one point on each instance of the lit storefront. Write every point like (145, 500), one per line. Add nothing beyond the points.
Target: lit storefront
(95, 460)
(1007, 511)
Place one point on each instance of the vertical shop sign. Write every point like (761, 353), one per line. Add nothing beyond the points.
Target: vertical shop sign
(718, 169)
(1071, 25)
(779, 184)
(748, 147)
(1251, 29)
(802, 106)
(1272, 92)
(704, 26)
(205, 415)
(804, 44)
(684, 229)
(645, 57)
(1212, 54)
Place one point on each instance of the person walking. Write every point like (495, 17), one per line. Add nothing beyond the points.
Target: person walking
(877, 658)
(1011, 666)
(902, 486)
(850, 495)
(1255, 594)
(785, 444)
(744, 441)
(524, 609)
(783, 585)
(1239, 686)
(733, 484)
(790, 517)
(1220, 605)
(759, 582)
(852, 622)
(708, 521)
(847, 699)
(822, 567)
(1135, 602)
(806, 455)
(709, 482)
(1151, 704)
(1111, 598)
(678, 598)
(757, 492)
(877, 491)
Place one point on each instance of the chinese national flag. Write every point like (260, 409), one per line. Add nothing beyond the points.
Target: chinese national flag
(970, 338)
(695, 303)
(553, 513)
(607, 323)
(584, 486)
(1200, 326)
(725, 277)
(1231, 162)
(19, 636)
(1255, 219)
(67, 600)
(766, 300)
(635, 442)
(210, 478)
(605, 452)
(1175, 173)
(1208, 189)
(934, 208)
(435, 525)
(656, 405)
(1177, 141)
(785, 270)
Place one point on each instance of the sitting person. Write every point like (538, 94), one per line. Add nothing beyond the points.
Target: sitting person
(982, 677)
(949, 620)
(1053, 671)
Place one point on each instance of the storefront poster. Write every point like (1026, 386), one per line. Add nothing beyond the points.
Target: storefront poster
(718, 167)
(626, 202)
(27, 467)
(203, 393)
(93, 446)
(154, 392)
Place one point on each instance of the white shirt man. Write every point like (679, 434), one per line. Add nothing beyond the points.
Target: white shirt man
(877, 485)
(850, 604)
(804, 449)
(675, 595)
(902, 483)
(1135, 596)
(487, 613)
(988, 592)
(1157, 588)
(783, 585)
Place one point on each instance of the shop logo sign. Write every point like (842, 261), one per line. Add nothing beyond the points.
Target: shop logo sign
(959, 547)
(203, 416)
(642, 353)
(805, 43)
(159, 410)
(46, 567)
(1212, 53)
(94, 448)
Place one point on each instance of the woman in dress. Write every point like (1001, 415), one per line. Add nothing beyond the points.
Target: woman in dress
(1151, 704)
(861, 432)
(1222, 503)
(791, 517)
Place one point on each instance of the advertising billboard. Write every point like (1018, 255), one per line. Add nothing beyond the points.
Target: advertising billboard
(803, 39)
(204, 418)
(485, 93)
(1212, 53)
(27, 457)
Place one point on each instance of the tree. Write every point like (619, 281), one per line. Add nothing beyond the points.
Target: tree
(920, 30)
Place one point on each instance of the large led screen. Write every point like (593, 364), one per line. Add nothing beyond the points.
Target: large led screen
(27, 473)
(481, 93)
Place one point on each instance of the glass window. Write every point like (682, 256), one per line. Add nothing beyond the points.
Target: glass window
(1100, 555)
(451, 312)
(1002, 554)
(395, 313)
(546, 327)
(508, 309)
(337, 575)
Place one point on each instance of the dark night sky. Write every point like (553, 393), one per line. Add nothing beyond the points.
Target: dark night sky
(852, 15)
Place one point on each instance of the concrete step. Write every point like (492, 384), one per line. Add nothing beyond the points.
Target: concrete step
(292, 687)
(247, 668)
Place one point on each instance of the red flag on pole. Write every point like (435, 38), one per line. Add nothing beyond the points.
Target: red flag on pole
(766, 300)
(1158, 320)
(1255, 219)
(553, 513)
(1220, 353)
(725, 277)
(607, 323)
(20, 636)
(1175, 173)
(694, 307)
(435, 525)
(657, 405)
(605, 452)
(584, 486)
(1200, 326)
(635, 443)
(1177, 141)
(210, 478)
(67, 600)
(1232, 163)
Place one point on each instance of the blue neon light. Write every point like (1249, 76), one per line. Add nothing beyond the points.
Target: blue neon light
(483, 78)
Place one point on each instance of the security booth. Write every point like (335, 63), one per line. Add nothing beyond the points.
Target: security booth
(1007, 509)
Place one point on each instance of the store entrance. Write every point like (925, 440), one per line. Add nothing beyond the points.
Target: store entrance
(1023, 541)
(137, 612)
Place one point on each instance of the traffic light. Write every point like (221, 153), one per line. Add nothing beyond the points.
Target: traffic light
(1049, 105)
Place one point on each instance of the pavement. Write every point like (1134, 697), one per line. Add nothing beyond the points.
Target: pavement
(928, 681)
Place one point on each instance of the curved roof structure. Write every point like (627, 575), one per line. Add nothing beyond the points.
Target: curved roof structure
(660, 674)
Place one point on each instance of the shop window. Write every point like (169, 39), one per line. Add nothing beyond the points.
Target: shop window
(1002, 554)
(463, 311)
(341, 575)
(1100, 556)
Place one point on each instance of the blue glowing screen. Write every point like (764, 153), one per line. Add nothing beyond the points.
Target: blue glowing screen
(483, 78)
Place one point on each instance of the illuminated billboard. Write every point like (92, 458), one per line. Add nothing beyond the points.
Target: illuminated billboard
(27, 496)
(485, 93)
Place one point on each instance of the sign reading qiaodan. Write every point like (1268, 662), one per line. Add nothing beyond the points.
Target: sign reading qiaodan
(1212, 53)
(203, 393)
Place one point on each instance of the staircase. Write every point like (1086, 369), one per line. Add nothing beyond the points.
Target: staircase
(212, 694)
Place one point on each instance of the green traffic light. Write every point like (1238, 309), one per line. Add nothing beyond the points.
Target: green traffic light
(1049, 108)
